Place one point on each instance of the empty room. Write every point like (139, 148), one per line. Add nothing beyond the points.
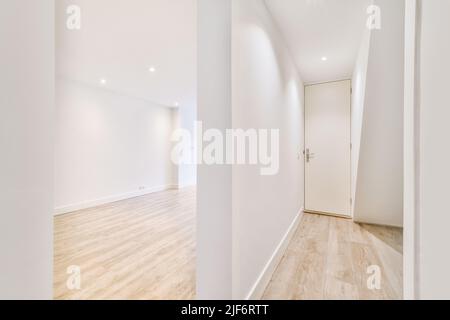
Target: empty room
(125, 211)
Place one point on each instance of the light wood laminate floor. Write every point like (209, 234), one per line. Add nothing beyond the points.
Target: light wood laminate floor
(328, 259)
(144, 248)
(141, 248)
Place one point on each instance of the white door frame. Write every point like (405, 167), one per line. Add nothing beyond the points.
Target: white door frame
(411, 154)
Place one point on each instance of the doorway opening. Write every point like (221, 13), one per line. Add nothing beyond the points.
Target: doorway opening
(125, 211)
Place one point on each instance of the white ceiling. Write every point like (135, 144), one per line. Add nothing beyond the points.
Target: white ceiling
(322, 28)
(120, 40)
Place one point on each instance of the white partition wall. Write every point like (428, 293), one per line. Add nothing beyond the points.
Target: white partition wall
(433, 132)
(214, 213)
(26, 144)
(268, 93)
(426, 259)
(379, 176)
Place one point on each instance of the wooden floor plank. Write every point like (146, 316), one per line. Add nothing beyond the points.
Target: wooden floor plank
(144, 248)
(328, 259)
(141, 248)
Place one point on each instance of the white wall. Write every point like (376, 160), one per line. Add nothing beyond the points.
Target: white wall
(187, 173)
(379, 186)
(26, 148)
(267, 93)
(358, 98)
(214, 214)
(434, 131)
(108, 146)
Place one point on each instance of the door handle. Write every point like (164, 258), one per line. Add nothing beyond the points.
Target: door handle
(309, 155)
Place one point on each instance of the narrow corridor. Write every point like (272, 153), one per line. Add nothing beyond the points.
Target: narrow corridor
(328, 258)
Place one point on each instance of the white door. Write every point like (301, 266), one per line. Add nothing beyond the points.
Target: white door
(328, 148)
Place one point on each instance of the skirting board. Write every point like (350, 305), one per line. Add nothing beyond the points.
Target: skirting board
(110, 199)
(183, 186)
(264, 278)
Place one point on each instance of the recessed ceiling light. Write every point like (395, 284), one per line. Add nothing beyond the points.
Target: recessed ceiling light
(176, 104)
(103, 81)
(152, 69)
(324, 58)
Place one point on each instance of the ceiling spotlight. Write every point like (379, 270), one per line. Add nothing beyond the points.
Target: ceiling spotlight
(324, 58)
(152, 69)
(103, 81)
(176, 104)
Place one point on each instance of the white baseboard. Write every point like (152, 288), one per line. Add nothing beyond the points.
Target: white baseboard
(182, 186)
(257, 292)
(110, 199)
